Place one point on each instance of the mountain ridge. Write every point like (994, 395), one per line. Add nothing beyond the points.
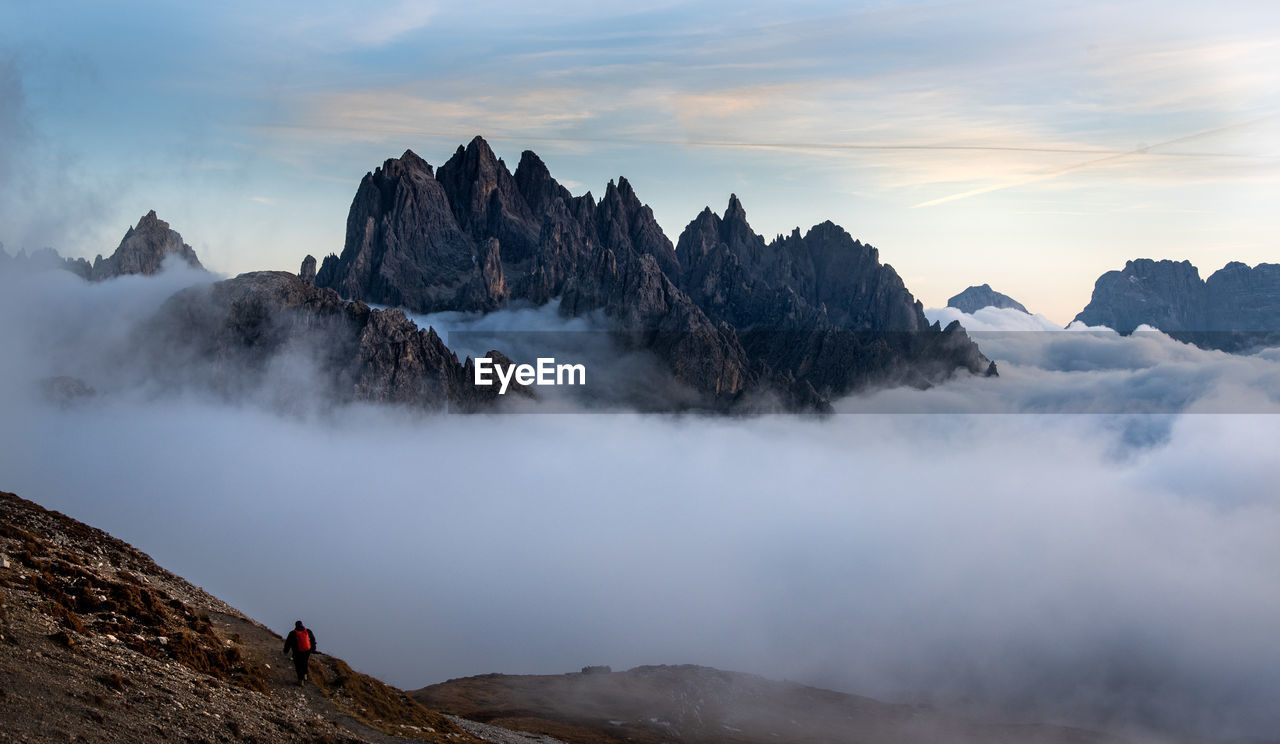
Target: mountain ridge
(689, 703)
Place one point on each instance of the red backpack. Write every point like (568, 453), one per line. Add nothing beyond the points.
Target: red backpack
(303, 639)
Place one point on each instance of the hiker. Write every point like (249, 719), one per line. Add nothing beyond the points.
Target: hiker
(301, 642)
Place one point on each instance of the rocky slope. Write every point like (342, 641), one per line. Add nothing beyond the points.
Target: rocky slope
(272, 334)
(975, 298)
(99, 644)
(1237, 307)
(691, 704)
(808, 316)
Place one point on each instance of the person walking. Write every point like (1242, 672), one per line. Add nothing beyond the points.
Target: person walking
(302, 642)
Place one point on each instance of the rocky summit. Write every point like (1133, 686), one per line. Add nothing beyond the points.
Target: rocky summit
(142, 251)
(975, 298)
(1237, 307)
(807, 317)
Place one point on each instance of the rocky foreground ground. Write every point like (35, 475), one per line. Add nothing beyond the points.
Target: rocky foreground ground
(99, 644)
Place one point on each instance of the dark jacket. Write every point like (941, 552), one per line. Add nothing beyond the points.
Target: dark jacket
(291, 641)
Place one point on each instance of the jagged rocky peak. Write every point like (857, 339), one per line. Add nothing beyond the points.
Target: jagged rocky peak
(143, 249)
(486, 202)
(404, 247)
(624, 224)
(473, 237)
(411, 161)
(536, 185)
(976, 297)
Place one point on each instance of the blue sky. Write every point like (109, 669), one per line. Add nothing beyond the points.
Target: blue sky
(1029, 145)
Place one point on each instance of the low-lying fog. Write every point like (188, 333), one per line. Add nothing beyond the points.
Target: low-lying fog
(1094, 568)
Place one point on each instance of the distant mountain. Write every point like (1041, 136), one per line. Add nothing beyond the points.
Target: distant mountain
(98, 643)
(808, 317)
(142, 251)
(1237, 307)
(700, 705)
(975, 298)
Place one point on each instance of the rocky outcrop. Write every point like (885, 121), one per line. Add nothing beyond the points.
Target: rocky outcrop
(270, 334)
(1236, 308)
(973, 299)
(472, 236)
(308, 271)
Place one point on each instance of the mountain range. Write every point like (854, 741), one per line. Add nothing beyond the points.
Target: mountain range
(809, 316)
(735, 322)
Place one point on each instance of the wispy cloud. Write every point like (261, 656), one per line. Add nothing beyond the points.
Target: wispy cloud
(337, 26)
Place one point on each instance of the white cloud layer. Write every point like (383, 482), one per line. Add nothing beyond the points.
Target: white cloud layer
(1102, 569)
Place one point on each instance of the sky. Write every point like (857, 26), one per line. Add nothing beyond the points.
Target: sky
(1031, 146)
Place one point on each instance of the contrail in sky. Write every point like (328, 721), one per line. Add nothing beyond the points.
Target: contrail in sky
(1087, 164)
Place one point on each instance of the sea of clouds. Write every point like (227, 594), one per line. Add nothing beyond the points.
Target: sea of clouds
(1075, 561)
